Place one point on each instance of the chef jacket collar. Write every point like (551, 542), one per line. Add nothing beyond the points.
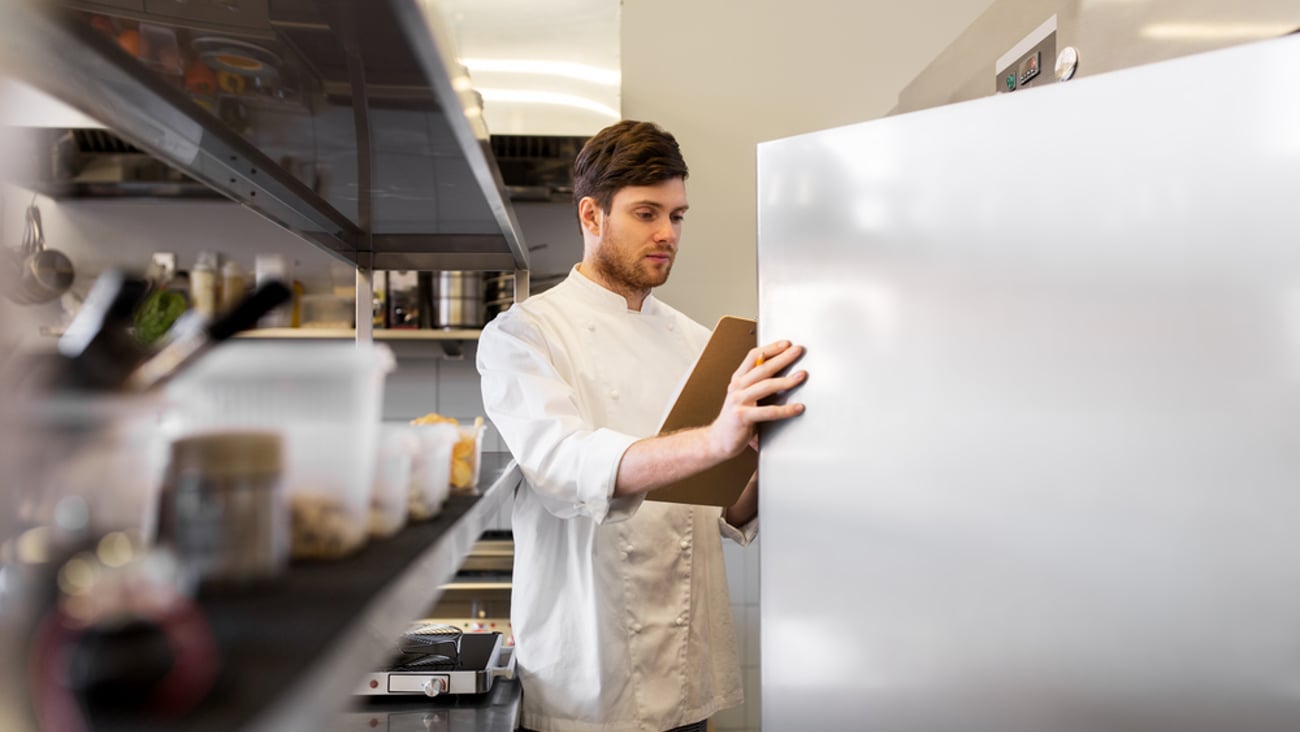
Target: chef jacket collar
(608, 300)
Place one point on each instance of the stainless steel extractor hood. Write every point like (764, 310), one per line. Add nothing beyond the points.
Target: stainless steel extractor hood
(349, 122)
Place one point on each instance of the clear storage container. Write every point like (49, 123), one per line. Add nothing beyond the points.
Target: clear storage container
(431, 468)
(108, 451)
(325, 399)
(465, 458)
(327, 311)
(389, 499)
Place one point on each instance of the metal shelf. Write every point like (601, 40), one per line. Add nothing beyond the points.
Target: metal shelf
(472, 227)
(463, 334)
(293, 653)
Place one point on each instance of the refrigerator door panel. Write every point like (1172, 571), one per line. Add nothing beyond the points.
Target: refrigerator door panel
(1049, 473)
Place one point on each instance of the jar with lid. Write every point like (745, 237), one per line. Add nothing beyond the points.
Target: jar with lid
(221, 508)
(204, 288)
(232, 285)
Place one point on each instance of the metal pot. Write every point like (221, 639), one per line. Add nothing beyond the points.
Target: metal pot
(458, 300)
(499, 294)
(43, 274)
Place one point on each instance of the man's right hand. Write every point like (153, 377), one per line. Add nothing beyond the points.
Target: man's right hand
(657, 461)
(754, 380)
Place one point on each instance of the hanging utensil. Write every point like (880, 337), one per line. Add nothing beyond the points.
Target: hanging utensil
(44, 274)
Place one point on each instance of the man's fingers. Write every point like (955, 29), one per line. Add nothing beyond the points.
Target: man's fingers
(764, 362)
(760, 355)
(773, 412)
(775, 385)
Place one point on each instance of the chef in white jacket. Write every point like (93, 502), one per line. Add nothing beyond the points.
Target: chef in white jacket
(619, 608)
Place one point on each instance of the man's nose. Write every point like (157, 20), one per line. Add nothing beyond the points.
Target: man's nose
(667, 234)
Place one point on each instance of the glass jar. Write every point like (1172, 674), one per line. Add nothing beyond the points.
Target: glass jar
(221, 508)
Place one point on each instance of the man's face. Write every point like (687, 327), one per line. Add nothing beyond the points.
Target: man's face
(638, 238)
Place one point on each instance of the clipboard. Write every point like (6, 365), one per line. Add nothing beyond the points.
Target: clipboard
(698, 404)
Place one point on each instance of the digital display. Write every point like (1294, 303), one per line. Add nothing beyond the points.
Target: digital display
(1029, 68)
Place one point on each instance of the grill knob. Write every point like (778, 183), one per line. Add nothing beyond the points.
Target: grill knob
(434, 686)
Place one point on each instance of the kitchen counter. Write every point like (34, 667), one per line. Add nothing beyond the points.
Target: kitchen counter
(495, 711)
(292, 652)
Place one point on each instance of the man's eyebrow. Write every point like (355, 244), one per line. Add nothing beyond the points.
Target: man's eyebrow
(655, 204)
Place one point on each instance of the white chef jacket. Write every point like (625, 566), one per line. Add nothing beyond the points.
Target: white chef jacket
(619, 606)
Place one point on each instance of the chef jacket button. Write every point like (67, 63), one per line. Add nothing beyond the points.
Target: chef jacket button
(636, 627)
(613, 393)
(679, 621)
(670, 326)
(685, 544)
(591, 326)
(627, 548)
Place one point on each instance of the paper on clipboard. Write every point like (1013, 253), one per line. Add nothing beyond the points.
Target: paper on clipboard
(698, 403)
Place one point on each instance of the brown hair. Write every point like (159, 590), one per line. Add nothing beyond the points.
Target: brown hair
(627, 153)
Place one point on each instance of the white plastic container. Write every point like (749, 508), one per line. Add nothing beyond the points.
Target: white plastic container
(390, 496)
(108, 451)
(268, 267)
(431, 469)
(325, 398)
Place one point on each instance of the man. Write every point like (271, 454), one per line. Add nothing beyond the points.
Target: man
(620, 608)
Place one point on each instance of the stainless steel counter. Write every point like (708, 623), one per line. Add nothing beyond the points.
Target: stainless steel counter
(495, 711)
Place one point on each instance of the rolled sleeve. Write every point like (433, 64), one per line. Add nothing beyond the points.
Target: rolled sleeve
(571, 466)
(742, 535)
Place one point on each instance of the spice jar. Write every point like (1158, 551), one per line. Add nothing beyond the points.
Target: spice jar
(221, 508)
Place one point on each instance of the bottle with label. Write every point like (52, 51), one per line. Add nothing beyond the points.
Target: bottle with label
(232, 285)
(204, 289)
(269, 267)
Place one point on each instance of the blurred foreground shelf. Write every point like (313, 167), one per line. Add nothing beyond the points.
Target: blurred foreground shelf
(293, 652)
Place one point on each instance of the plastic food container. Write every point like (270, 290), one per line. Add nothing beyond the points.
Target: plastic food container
(105, 451)
(431, 468)
(388, 501)
(465, 458)
(326, 311)
(159, 50)
(325, 399)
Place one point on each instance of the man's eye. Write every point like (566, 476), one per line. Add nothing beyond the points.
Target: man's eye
(677, 218)
(644, 215)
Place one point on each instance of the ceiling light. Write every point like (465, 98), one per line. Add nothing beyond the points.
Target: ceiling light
(544, 97)
(581, 72)
(1214, 31)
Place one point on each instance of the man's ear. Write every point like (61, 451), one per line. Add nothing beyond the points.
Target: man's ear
(589, 215)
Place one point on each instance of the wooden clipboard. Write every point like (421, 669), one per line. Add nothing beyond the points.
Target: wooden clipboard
(698, 403)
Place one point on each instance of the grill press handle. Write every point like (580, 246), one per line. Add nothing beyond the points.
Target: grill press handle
(506, 670)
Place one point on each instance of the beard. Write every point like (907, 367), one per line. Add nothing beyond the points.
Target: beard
(628, 273)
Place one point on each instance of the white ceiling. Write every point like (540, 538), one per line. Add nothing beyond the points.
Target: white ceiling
(543, 68)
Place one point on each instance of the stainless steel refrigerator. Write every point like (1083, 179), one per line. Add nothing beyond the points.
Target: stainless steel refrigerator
(1049, 473)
